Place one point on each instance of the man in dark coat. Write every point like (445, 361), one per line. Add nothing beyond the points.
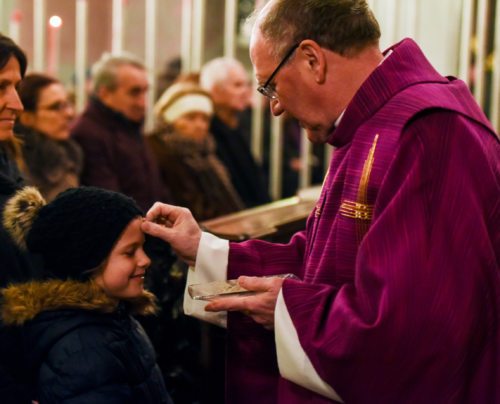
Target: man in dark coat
(110, 132)
(227, 82)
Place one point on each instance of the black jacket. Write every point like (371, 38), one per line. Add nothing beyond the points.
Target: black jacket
(116, 157)
(15, 266)
(234, 152)
(81, 346)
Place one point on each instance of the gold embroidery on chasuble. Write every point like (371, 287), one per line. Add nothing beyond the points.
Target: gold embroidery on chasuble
(317, 209)
(361, 210)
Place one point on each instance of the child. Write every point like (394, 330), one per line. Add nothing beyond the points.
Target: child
(81, 345)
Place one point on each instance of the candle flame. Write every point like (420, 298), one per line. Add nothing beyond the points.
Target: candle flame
(55, 21)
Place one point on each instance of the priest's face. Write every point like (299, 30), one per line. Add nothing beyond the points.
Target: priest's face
(294, 87)
(10, 103)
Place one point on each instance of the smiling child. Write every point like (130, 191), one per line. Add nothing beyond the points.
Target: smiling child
(81, 344)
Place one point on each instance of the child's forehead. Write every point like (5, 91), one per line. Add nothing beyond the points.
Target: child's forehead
(133, 230)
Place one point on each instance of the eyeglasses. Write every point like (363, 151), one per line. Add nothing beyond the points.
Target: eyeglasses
(267, 89)
(58, 106)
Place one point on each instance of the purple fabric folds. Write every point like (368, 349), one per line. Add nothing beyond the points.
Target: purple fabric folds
(404, 307)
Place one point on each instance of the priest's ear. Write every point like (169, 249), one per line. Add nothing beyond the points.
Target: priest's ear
(314, 58)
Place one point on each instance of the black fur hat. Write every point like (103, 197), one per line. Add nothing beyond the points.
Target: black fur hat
(75, 232)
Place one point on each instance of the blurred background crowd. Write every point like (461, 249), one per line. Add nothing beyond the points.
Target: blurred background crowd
(182, 132)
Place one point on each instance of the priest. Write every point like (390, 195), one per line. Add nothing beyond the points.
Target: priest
(398, 296)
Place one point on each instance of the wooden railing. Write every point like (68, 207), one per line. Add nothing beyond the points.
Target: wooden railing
(276, 221)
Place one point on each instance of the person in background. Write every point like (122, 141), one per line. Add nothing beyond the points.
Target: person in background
(53, 160)
(80, 343)
(185, 151)
(12, 68)
(227, 82)
(168, 75)
(15, 265)
(116, 156)
(398, 296)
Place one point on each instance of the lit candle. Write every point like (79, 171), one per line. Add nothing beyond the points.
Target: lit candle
(38, 34)
(230, 20)
(151, 7)
(276, 156)
(54, 44)
(495, 105)
(464, 68)
(479, 68)
(186, 35)
(305, 159)
(257, 139)
(199, 9)
(117, 33)
(81, 54)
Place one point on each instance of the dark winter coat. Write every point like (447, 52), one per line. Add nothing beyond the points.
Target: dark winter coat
(196, 177)
(116, 157)
(15, 266)
(234, 152)
(81, 346)
(52, 165)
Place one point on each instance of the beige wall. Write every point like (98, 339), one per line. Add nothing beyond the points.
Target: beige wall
(100, 29)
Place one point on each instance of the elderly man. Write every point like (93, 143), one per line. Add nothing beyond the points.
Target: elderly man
(110, 132)
(399, 292)
(227, 82)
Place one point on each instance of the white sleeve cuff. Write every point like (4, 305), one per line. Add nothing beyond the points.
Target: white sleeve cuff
(212, 257)
(211, 265)
(293, 362)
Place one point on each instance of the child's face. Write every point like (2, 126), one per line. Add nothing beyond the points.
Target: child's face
(124, 270)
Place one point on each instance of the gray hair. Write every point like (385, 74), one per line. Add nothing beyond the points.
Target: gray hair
(217, 71)
(104, 70)
(342, 26)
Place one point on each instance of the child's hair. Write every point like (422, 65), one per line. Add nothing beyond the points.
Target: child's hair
(74, 233)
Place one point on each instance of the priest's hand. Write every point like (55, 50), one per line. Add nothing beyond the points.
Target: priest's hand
(259, 306)
(176, 226)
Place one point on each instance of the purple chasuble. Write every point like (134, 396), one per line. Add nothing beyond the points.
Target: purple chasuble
(400, 293)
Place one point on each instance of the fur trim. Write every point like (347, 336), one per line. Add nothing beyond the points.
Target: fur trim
(23, 302)
(20, 212)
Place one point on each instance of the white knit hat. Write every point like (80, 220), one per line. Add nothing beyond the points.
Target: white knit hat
(180, 99)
